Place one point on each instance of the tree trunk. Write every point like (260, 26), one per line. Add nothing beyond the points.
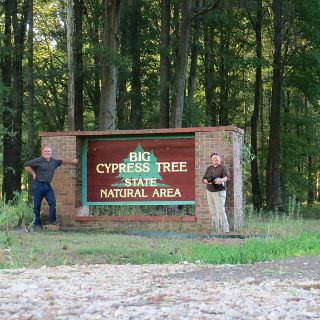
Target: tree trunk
(30, 89)
(194, 56)
(274, 194)
(94, 9)
(223, 79)
(311, 182)
(124, 77)
(181, 66)
(109, 69)
(70, 50)
(121, 104)
(78, 63)
(165, 64)
(135, 45)
(6, 71)
(209, 81)
(97, 90)
(12, 140)
(255, 182)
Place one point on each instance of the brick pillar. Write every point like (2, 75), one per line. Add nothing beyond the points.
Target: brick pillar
(237, 182)
(228, 144)
(67, 179)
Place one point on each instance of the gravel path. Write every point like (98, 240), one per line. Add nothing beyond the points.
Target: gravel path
(288, 289)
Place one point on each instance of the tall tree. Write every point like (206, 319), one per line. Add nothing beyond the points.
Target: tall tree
(180, 74)
(30, 88)
(12, 118)
(109, 69)
(165, 65)
(135, 46)
(194, 55)
(6, 75)
(181, 65)
(274, 192)
(256, 23)
(223, 73)
(209, 76)
(30, 82)
(93, 26)
(124, 73)
(70, 50)
(78, 64)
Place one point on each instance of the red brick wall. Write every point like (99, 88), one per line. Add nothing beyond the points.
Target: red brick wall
(67, 181)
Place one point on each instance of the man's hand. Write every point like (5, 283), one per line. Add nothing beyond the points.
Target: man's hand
(31, 171)
(70, 161)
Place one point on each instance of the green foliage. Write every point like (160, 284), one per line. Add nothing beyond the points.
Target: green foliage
(247, 155)
(310, 211)
(225, 77)
(193, 115)
(181, 210)
(15, 213)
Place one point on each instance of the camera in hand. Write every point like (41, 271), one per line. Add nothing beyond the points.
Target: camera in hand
(212, 179)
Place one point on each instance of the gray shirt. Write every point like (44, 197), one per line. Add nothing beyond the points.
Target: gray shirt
(43, 168)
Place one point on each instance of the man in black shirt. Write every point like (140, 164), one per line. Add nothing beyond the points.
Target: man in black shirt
(215, 178)
(42, 170)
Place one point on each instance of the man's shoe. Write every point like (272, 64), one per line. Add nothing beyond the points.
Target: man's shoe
(37, 227)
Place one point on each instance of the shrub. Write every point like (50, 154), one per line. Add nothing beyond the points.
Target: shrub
(15, 213)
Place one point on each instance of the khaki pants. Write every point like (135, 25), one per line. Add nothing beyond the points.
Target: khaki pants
(216, 202)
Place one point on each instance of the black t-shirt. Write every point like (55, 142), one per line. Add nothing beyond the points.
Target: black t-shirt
(216, 172)
(43, 168)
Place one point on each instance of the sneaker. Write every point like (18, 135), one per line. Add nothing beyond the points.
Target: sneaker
(37, 227)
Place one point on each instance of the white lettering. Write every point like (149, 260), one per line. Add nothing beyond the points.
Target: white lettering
(140, 156)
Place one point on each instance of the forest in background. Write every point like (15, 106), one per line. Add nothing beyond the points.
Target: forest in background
(130, 64)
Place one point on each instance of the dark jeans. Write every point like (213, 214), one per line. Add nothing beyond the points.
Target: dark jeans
(43, 190)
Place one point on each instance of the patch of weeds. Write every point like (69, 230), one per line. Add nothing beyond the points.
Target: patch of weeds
(15, 213)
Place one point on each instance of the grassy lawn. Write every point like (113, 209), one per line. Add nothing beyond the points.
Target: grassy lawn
(286, 238)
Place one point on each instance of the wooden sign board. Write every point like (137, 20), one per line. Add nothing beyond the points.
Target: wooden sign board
(139, 171)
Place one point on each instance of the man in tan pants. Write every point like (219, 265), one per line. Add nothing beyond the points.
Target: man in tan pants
(215, 178)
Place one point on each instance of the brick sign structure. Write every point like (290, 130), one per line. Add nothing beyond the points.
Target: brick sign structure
(143, 167)
(140, 171)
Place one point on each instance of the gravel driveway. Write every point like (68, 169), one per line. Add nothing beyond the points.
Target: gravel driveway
(288, 289)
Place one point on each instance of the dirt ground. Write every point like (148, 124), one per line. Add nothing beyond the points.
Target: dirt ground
(307, 268)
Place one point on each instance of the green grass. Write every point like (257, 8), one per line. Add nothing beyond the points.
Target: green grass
(288, 238)
(279, 226)
(257, 250)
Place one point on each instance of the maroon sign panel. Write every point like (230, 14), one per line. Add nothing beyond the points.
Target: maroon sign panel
(141, 170)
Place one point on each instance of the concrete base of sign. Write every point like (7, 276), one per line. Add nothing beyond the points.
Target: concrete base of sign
(175, 235)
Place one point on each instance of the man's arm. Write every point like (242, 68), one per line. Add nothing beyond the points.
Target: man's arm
(31, 171)
(204, 177)
(70, 161)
